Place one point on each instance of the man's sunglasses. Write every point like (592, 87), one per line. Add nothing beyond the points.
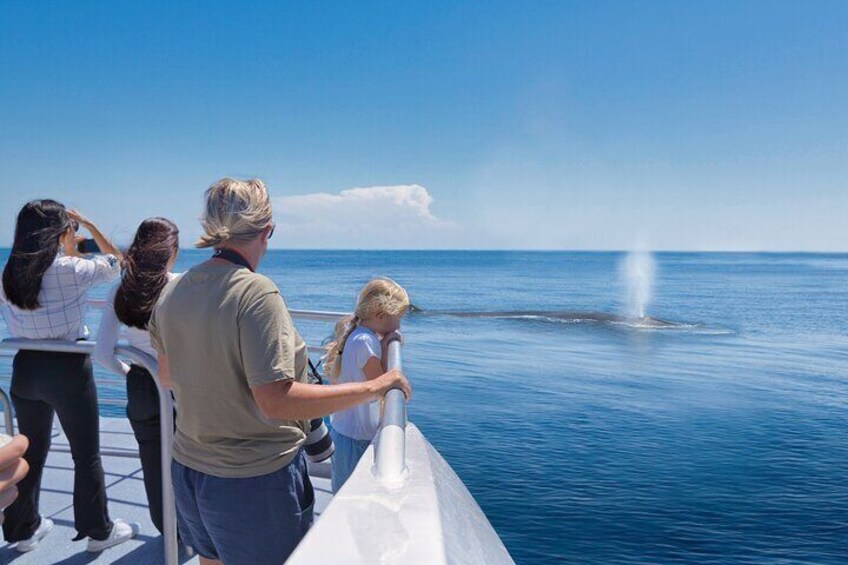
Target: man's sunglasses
(273, 227)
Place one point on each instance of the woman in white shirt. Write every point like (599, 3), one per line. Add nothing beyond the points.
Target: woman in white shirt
(45, 283)
(147, 266)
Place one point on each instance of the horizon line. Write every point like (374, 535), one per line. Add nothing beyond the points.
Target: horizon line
(537, 250)
(534, 250)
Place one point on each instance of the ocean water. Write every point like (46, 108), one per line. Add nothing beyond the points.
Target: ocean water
(720, 440)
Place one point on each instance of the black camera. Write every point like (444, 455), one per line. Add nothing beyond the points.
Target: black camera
(319, 443)
(88, 246)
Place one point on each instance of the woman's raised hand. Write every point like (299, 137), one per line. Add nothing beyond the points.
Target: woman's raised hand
(102, 241)
(77, 216)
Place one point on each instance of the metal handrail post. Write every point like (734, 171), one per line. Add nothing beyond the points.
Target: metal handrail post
(317, 315)
(166, 438)
(7, 412)
(390, 444)
(166, 431)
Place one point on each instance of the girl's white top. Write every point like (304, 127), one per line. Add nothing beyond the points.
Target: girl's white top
(360, 422)
(62, 298)
(109, 332)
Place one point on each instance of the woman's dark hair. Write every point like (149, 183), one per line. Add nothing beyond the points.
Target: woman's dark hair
(38, 230)
(145, 271)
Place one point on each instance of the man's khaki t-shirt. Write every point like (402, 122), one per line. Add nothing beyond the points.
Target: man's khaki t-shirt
(225, 329)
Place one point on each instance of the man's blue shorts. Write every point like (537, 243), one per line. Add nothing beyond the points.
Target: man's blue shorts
(249, 521)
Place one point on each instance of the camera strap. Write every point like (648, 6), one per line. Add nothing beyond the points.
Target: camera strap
(232, 257)
(315, 374)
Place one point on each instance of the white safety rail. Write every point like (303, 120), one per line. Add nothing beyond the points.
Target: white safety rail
(390, 444)
(389, 465)
(7, 412)
(311, 315)
(403, 504)
(166, 410)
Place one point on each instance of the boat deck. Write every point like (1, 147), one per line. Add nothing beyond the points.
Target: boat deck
(125, 489)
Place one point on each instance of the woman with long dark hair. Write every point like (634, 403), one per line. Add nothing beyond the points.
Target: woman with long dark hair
(147, 265)
(45, 284)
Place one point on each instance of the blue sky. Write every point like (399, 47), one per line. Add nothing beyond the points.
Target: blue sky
(542, 125)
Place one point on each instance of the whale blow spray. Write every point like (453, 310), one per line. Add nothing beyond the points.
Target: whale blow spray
(638, 273)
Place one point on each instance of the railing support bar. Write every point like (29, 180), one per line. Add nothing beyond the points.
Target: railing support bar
(390, 443)
(166, 432)
(166, 437)
(7, 412)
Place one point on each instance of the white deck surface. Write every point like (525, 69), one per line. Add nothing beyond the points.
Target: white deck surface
(125, 490)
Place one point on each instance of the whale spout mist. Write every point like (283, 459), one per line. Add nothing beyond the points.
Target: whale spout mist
(638, 274)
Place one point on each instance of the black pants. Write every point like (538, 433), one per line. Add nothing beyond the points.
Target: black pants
(44, 383)
(143, 414)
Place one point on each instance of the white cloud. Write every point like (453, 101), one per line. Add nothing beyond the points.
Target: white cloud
(379, 217)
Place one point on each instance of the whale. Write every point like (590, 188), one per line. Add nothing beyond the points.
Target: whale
(573, 316)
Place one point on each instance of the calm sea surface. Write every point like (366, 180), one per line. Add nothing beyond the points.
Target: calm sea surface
(725, 441)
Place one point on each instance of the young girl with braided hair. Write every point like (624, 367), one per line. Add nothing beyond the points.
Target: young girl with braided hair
(358, 354)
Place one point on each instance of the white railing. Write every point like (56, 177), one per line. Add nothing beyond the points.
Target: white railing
(312, 315)
(7, 412)
(317, 315)
(166, 411)
(390, 444)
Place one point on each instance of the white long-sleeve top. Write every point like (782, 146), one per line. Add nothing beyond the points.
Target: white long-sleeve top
(109, 333)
